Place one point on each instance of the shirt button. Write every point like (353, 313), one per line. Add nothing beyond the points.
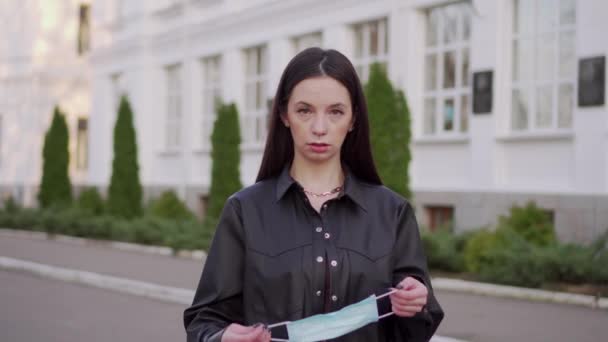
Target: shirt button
(319, 259)
(319, 293)
(327, 236)
(334, 263)
(324, 206)
(319, 229)
(334, 298)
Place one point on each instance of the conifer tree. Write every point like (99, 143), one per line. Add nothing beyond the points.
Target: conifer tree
(226, 158)
(125, 192)
(55, 186)
(390, 132)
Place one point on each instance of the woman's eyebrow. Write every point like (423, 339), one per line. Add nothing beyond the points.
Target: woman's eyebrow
(339, 104)
(303, 103)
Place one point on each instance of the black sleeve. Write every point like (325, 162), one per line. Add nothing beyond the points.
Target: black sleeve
(218, 299)
(410, 260)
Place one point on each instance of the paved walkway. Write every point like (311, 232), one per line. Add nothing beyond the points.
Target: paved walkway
(468, 317)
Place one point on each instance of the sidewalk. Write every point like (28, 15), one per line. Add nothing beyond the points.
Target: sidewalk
(161, 277)
(157, 269)
(469, 316)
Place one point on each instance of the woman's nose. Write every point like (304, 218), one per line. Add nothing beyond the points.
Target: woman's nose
(319, 125)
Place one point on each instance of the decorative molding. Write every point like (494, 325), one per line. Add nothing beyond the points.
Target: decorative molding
(206, 3)
(121, 49)
(536, 136)
(434, 140)
(173, 9)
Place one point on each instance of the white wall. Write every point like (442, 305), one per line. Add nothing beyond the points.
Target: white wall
(39, 68)
(486, 159)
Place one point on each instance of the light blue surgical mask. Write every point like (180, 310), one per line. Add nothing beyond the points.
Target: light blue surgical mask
(335, 324)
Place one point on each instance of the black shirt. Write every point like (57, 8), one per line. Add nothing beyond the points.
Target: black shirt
(274, 258)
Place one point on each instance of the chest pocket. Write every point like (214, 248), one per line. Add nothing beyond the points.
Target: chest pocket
(275, 270)
(371, 241)
(367, 250)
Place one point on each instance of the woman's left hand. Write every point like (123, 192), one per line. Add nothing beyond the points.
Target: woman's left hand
(410, 297)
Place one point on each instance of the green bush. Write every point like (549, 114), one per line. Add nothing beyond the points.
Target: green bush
(125, 191)
(11, 206)
(192, 235)
(169, 206)
(26, 219)
(517, 263)
(389, 120)
(531, 222)
(477, 248)
(443, 250)
(568, 263)
(90, 201)
(55, 186)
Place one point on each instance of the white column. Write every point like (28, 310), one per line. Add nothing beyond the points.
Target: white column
(339, 37)
(280, 52)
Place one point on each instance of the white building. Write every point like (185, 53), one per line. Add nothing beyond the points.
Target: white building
(43, 63)
(174, 57)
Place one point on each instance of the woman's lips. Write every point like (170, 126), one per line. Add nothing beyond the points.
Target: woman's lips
(319, 147)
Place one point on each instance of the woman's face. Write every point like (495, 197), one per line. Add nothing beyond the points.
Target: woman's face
(319, 115)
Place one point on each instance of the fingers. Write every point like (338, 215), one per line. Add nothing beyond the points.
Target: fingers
(410, 297)
(410, 289)
(409, 283)
(406, 311)
(239, 333)
(401, 301)
(265, 336)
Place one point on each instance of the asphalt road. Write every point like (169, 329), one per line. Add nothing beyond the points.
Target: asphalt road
(37, 309)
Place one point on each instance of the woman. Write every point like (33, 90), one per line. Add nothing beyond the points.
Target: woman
(318, 231)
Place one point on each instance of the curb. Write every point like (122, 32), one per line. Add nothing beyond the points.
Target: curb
(124, 285)
(197, 255)
(462, 286)
(445, 284)
(165, 293)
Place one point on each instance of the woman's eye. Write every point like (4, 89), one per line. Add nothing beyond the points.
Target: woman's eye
(337, 112)
(303, 111)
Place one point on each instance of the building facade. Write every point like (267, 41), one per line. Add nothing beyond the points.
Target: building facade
(506, 96)
(44, 49)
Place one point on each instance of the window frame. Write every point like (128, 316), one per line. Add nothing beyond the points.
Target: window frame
(82, 152)
(363, 59)
(460, 88)
(255, 116)
(173, 106)
(211, 75)
(531, 85)
(307, 40)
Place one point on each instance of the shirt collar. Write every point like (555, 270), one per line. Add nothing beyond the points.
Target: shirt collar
(284, 182)
(353, 187)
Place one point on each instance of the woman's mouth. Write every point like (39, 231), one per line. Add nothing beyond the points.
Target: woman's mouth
(319, 147)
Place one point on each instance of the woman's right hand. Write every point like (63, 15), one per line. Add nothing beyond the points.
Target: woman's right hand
(240, 333)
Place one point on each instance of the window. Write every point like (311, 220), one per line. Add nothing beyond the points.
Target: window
(82, 144)
(440, 217)
(212, 95)
(371, 46)
(118, 90)
(446, 70)
(256, 110)
(543, 64)
(84, 28)
(1, 137)
(174, 107)
(308, 40)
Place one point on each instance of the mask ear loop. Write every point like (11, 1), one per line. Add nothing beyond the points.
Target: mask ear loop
(382, 296)
(278, 325)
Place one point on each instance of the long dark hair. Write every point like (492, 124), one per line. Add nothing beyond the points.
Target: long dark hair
(356, 152)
